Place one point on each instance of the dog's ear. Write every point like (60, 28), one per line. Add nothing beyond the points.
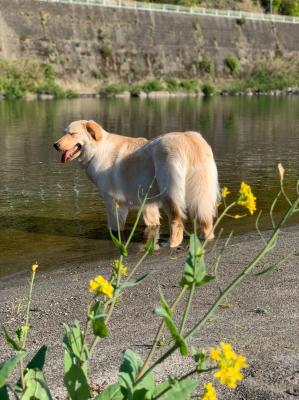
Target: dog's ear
(95, 130)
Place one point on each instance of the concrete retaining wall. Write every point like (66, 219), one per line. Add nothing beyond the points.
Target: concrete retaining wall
(88, 42)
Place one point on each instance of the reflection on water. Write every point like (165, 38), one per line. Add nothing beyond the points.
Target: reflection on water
(51, 212)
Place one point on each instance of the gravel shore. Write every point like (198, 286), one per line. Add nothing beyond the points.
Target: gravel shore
(260, 318)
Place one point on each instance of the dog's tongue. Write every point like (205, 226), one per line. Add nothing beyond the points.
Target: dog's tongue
(68, 154)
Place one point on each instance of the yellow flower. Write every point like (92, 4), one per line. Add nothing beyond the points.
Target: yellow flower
(101, 285)
(215, 354)
(123, 269)
(34, 267)
(229, 364)
(224, 192)
(229, 377)
(247, 199)
(210, 392)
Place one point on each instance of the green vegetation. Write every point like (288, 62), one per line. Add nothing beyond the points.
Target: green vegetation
(284, 7)
(244, 5)
(18, 79)
(206, 66)
(261, 81)
(241, 21)
(208, 89)
(136, 378)
(232, 63)
(153, 86)
(189, 85)
(136, 90)
(172, 85)
(278, 75)
(116, 88)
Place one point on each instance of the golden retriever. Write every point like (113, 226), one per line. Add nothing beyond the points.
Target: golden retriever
(177, 170)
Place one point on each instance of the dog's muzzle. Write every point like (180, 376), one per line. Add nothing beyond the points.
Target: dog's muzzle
(56, 146)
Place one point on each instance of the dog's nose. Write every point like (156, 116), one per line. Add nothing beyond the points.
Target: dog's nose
(56, 146)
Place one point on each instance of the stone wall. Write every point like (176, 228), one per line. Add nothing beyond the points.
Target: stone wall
(90, 43)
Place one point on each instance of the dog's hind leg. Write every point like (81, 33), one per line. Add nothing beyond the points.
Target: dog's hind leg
(151, 217)
(176, 224)
(207, 228)
(170, 176)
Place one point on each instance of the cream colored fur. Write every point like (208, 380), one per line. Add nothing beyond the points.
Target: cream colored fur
(178, 170)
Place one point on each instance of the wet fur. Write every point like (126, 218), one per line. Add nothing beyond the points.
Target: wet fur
(178, 167)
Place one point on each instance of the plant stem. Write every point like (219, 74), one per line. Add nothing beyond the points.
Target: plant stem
(118, 279)
(137, 266)
(85, 328)
(215, 267)
(219, 219)
(246, 270)
(22, 374)
(229, 288)
(187, 308)
(112, 305)
(190, 373)
(159, 332)
(28, 310)
(24, 338)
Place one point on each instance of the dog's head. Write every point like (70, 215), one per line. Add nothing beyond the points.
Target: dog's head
(77, 136)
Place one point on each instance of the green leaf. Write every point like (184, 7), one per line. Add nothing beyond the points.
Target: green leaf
(73, 341)
(111, 392)
(39, 358)
(173, 330)
(12, 342)
(150, 246)
(164, 303)
(206, 279)
(146, 388)
(118, 244)
(165, 311)
(4, 393)
(75, 363)
(36, 386)
(99, 327)
(8, 366)
(195, 267)
(180, 390)
(20, 331)
(37, 362)
(128, 372)
(200, 359)
(134, 282)
(161, 387)
(75, 379)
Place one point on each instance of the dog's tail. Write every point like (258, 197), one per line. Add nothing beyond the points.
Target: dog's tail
(202, 187)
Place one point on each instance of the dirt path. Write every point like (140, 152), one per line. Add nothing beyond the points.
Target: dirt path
(261, 319)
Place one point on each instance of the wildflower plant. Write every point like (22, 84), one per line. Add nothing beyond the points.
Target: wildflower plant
(136, 379)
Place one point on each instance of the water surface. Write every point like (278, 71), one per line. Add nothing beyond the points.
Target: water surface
(51, 212)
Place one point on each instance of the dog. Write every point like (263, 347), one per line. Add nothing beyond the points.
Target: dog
(176, 170)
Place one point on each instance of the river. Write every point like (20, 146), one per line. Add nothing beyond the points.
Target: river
(51, 213)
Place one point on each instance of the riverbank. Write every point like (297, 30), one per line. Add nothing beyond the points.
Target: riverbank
(260, 318)
(204, 90)
(33, 80)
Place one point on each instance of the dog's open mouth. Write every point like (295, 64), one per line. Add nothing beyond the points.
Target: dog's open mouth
(70, 154)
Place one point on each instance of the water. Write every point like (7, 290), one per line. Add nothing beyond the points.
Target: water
(51, 212)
